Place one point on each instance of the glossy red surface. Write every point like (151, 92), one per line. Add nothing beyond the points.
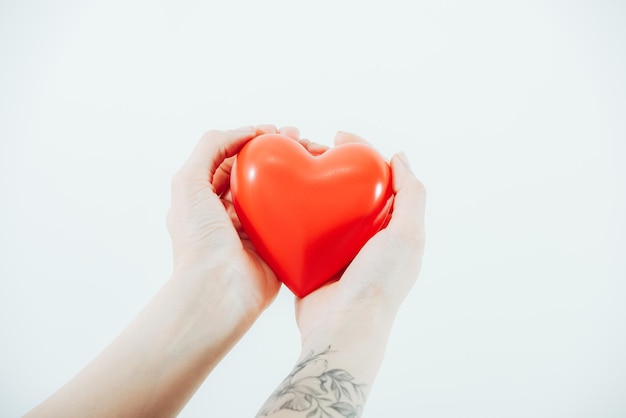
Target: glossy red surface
(308, 216)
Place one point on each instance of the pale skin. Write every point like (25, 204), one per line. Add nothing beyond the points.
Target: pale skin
(220, 286)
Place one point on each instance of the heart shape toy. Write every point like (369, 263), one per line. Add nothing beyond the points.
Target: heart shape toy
(308, 216)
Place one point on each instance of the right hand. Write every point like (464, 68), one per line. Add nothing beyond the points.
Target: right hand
(380, 276)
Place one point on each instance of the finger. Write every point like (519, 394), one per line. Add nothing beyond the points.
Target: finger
(232, 214)
(290, 131)
(211, 151)
(265, 129)
(346, 138)
(221, 178)
(409, 200)
(313, 147)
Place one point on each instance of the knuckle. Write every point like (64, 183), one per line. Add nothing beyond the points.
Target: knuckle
(419, 186)
(210, 134)
(416, 185)
(179, 180)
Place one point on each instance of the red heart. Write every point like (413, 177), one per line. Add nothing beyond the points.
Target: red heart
(308, 216)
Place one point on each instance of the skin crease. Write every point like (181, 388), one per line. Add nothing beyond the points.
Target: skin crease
(156, 364)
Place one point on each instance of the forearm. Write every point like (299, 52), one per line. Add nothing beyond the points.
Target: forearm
(158, 361)
(335, 371)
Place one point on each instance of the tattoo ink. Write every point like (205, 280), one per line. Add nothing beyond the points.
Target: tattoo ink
(316, 391)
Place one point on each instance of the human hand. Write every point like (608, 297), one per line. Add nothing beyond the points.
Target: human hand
(344, 325)
(380, 276)
(218, 288)
(206, 234)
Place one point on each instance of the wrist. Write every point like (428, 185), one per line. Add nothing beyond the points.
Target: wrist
(208, 293)
(334, 315)
(336, 369)
(356, 341)
(154, 366)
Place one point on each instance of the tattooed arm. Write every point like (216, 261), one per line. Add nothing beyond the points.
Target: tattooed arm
(332, 380)
(345, 325)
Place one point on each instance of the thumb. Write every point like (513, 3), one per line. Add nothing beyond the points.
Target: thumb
(409, 201)
(212, 149)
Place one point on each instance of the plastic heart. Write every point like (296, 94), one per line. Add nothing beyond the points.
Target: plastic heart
(308, 216)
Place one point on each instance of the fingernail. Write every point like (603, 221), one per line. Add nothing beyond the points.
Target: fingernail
(247, 128)
(405, 160)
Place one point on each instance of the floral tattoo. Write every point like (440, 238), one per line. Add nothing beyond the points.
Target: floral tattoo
(320, 393)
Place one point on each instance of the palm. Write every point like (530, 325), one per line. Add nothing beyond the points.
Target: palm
(254, 277)
(387, 255)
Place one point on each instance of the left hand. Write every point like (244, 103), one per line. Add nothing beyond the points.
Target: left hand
(208, 242)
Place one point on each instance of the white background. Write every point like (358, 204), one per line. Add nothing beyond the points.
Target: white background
(513, 114)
